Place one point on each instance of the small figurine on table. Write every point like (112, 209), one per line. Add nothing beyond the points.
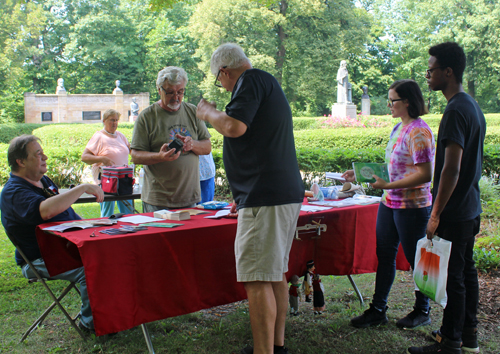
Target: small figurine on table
(307, 284)
(318, 297)
(294, 295)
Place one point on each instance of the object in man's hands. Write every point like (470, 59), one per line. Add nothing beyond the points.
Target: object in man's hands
(176, 144)
(172, 215)
(363, 171)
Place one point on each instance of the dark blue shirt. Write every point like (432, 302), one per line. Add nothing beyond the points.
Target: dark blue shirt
(462, 123)
(261, 165)
(20, 205)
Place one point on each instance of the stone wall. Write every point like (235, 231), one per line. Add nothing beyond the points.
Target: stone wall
(64, 108)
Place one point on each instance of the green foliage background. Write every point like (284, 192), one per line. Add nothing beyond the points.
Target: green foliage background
(92, 43)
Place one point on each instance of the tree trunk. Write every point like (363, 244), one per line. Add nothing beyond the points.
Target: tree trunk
(280, 55)
(471, 89)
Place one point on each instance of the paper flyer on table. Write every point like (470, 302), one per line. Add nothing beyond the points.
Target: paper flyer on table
(313, 208)
(139, 219)
(219, 214)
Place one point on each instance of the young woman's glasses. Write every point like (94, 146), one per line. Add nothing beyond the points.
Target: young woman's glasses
(390, 102)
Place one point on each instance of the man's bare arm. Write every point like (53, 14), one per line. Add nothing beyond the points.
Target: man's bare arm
(57, 204)
(224, 124)
(447, 184)
(141, 157)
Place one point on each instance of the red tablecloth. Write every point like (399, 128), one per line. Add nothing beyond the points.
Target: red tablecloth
(159, 273)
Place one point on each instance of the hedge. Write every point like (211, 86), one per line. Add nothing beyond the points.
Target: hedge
(318, 150)
(350, 138)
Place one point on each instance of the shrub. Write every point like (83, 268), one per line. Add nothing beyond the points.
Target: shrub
(490, 190)
(74, 134)
(486, 259)
(9, 131)
(305, 123)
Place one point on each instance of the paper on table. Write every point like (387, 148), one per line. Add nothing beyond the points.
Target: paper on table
(313, 208)
(139, 219)
(335, 175)
(219, 214)
(70, 225)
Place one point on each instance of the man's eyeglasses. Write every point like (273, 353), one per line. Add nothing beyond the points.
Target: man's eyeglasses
(428, 72)
(179, 93)
(217, 78)
(390, 102)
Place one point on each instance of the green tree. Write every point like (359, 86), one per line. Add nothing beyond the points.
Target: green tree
(169, 43)
(414, 26)
(300, 42)
(21, 25)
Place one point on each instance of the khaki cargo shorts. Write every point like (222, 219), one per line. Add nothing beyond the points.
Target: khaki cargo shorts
(263, 241)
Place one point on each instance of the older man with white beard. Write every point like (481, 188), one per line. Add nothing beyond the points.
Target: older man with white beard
(171, 179)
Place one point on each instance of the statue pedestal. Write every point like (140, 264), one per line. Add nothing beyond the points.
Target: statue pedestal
(365, 106)
(344, 110)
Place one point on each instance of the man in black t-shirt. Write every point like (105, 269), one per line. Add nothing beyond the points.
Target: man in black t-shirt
(456, 207)
(262, 170)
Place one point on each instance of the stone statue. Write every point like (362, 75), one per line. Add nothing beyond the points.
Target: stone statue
(365, 92)
(117, 88)
(60, 86)
(134, 107)
(344, 88)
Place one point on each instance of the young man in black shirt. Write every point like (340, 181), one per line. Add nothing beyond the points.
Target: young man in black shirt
(456, 207)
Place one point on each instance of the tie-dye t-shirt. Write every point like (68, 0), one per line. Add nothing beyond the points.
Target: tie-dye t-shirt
(409, 145)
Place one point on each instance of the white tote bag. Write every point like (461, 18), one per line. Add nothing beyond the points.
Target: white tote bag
(431, 268)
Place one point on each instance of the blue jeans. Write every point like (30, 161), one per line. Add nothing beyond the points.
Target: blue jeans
(394, 226)
(207, 190)
(462, 287)
(108, 208)
(75, 275)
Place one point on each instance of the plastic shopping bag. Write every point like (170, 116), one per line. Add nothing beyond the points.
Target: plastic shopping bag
(431, 268)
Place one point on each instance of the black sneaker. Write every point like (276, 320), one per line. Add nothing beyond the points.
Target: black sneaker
(469, 340)
(415, 319)
(436, 348)
(371, 317)
(443, 346)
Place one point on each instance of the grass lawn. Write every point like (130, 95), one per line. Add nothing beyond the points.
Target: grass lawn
(225, 329)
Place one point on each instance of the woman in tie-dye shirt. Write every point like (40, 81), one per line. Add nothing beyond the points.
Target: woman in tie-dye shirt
(405, 207)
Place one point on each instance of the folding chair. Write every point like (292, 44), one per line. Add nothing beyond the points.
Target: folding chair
(57, 300)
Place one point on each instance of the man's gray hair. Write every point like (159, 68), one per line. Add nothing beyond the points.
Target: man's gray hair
(230, 55)
(173, 75)
(18, 150)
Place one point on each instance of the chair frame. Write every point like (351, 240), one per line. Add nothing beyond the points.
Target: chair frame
(56, 300)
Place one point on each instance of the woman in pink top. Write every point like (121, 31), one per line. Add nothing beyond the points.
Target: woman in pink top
(406, 203)
(108, 147)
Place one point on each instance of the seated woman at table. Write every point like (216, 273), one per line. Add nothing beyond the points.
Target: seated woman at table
(108, 147)
(406, 202)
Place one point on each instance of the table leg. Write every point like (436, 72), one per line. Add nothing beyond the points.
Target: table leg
(356, 290)
(147, 338)
(131, 207)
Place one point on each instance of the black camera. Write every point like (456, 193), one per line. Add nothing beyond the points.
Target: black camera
(176, 144)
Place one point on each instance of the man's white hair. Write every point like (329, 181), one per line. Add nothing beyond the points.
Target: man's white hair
(173, 75)
(230, 55)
